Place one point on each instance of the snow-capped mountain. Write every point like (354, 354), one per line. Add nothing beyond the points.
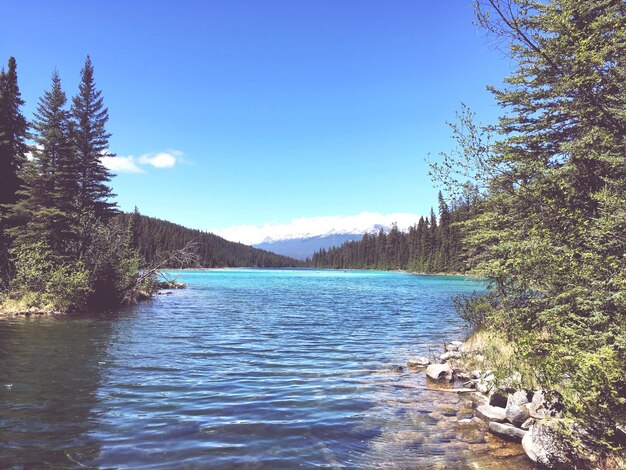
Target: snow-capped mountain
(302, 237)
(302, 248)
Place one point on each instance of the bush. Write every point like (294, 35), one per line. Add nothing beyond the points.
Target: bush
(67, 287)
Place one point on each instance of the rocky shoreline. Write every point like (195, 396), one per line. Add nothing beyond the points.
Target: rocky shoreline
(531, 418)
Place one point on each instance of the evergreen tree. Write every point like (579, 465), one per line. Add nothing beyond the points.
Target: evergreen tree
(92, 143)
(549, 232)
(13, 132)
(42, 213)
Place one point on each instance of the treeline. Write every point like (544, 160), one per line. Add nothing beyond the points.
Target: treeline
(432, 245)
(61, 247)
(157, 239)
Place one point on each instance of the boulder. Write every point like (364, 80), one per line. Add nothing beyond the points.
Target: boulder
(418, 361)
(454, 346)
(507, 431)
(491, 413)
(528, 423)
(439, 372)
(544, 446)
(450, 355)
(545, 404)
(516, 409)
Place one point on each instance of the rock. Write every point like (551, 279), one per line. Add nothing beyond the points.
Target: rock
(491, 413)
(508, 431)
(395, 368)
(545, 404)
(476, 374)
(439, 372)
(544, 446)
(462, 375)
(516, 410)
(418, 361)
(498, 399)
(454, 346)
(483, 387)
(528, 423)
(450, 355)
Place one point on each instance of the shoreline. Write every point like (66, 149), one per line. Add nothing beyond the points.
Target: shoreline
(532, 419)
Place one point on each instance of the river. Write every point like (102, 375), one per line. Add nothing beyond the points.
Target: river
(246, 368)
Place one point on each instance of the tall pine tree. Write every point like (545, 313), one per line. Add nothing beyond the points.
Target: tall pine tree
(92, 142)
(42, 213)
(13, 132)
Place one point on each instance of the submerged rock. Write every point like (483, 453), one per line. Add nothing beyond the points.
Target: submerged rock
(491, 413)
(439, 372)
(508, 431)
(418, 361)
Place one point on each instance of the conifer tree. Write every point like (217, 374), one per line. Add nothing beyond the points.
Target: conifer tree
(42, 212)
(13, 130)
(92, 142)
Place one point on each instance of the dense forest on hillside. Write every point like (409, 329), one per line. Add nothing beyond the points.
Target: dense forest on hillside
(432, 245)
(157, 239)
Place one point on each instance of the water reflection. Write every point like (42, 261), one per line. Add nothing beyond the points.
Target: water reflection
(50, 374)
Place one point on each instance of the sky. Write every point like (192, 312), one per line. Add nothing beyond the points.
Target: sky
(232, 115)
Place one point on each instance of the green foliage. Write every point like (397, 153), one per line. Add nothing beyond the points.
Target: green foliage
(157, 239)
(67, 287)
(66, 254)
(42, 281)
(549, 228)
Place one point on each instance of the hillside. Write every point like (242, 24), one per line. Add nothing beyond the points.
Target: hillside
(155, 238)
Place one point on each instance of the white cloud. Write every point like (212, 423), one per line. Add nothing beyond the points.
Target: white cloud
(162, 159)
(131, 164)
(313, 226)
(121, 164)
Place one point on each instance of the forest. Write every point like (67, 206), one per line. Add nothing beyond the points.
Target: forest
(433, 245)
(156, 240)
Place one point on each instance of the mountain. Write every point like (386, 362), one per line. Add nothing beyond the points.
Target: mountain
(304, 245)
(302, 248)
(155, 238)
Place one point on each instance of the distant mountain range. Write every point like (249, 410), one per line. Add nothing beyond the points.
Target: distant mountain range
(302, 246)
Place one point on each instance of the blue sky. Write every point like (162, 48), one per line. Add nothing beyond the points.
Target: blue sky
(236, 112)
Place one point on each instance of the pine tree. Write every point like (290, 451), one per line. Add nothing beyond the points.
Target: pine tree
(43, 211)
(13, 132)
(92, 143)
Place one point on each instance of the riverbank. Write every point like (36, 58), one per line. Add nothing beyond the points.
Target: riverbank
(30, 304)
(510, 406)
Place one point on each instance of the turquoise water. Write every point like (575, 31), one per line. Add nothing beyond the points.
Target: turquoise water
(245, 368)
